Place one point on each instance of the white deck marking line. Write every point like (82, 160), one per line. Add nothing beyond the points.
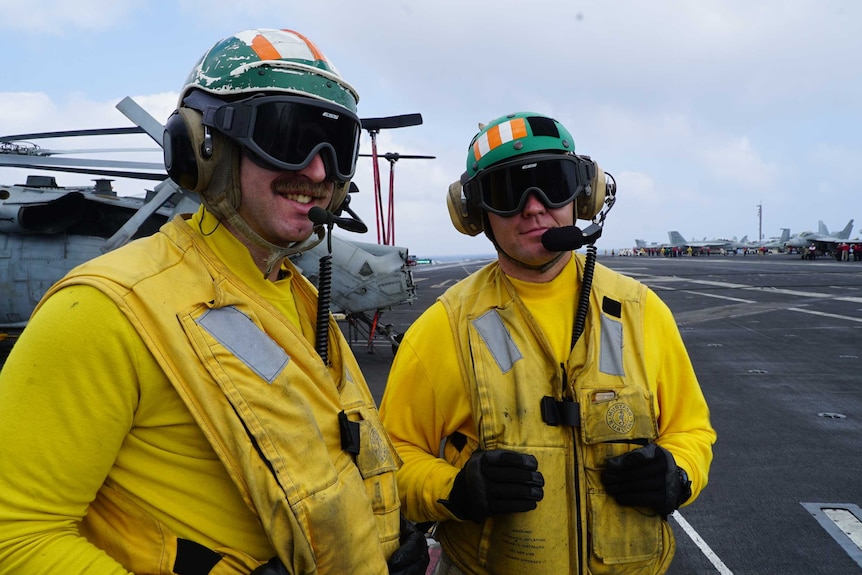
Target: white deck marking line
(824, 314)
(443, 284)
(762, 289)
(698, 540)
(715, 295)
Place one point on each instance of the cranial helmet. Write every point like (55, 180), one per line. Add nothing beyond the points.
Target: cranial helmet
(260, 61)
(509, 143)
(267, 60)
(515, 135)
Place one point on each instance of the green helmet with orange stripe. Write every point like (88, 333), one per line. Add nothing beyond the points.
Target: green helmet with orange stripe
(269, 60)
(515, 135)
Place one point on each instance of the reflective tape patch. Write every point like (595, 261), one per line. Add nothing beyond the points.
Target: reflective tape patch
(245, 340)
(498, 135)
(498, 340)
(611, 347)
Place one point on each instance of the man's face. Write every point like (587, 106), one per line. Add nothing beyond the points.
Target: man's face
(276, 203)
(520, 236)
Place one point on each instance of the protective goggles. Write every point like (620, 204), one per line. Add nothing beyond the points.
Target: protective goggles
(556, 179)
(287, 132)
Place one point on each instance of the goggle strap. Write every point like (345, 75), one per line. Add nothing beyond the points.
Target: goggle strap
(204, 103)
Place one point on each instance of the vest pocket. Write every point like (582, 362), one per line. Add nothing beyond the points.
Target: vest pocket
(622, 535)
(622, 414)
(377, 466)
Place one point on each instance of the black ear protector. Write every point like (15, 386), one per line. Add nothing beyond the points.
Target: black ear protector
(468, 218)
(191, 150)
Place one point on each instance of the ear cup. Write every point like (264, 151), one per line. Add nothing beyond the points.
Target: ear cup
(466, 217)
(182, 142)
(589, 204)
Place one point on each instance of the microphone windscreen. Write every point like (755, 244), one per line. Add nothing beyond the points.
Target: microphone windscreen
(319, 216)
(563, 239)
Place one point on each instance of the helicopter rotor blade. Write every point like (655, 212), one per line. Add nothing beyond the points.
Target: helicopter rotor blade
(394, 156)
(53, 152)
(67, 133)
(388, 122)
(95, 168)
(149, 125)
(30, 161)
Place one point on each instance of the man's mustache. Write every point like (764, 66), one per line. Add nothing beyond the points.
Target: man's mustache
(288, 185)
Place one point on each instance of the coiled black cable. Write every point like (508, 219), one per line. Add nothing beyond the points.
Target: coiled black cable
(586, 286)
(324, 289)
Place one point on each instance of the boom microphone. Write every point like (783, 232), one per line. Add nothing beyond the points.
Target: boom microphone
(563, 239)
(320, 217)
(568, 238)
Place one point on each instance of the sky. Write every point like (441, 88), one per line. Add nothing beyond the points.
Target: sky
(716, 118)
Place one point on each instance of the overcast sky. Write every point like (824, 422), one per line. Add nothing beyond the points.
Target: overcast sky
(702, 110)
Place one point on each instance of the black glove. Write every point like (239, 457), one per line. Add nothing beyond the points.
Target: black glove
(412, 557)
(647, 477)
(273, 567)
(493, 483)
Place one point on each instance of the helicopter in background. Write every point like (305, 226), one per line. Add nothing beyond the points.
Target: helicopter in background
(47, 229)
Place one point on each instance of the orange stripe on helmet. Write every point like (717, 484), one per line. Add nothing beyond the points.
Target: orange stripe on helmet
(494, 138)
(519, 128)
(318, 55)
(264, 48)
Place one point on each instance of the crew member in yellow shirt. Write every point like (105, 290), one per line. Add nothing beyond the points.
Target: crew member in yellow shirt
(169, 408)
(545, 407)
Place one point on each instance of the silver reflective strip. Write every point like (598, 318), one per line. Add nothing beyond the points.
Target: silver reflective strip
(234, 330)
(611, 348)
(497, 338)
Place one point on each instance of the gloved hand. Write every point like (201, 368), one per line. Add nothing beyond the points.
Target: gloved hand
(493, 483)
(411, 558)
(648, 477)
(272, 567)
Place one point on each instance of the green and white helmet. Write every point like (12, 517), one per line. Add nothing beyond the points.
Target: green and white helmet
(514, 135)
(269, 60)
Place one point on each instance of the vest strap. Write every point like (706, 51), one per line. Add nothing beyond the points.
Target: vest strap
(349, 434)
(194, 558)
(565, 412)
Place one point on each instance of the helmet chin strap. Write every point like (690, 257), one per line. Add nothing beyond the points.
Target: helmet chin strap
(542, 268)
(217, 200)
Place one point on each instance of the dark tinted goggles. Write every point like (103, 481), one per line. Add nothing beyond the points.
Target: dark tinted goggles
(287, 132)
(556, 179)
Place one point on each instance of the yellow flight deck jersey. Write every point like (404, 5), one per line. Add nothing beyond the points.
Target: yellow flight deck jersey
(495, 346)
(109, 464)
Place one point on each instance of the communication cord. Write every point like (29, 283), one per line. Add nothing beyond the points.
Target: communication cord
(324, 289)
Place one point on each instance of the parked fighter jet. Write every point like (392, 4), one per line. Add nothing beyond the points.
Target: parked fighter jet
(773, 243)
(823, 240)
(46, 229)
(677, 240)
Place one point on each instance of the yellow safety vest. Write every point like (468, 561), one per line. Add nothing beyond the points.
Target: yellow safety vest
(279, 419)
(572, 419)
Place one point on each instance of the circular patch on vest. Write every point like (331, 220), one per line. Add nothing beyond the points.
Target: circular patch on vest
(377, 445)
(620, 418)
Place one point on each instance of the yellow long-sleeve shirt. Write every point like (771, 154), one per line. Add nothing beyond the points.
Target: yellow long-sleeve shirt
(83, 401)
